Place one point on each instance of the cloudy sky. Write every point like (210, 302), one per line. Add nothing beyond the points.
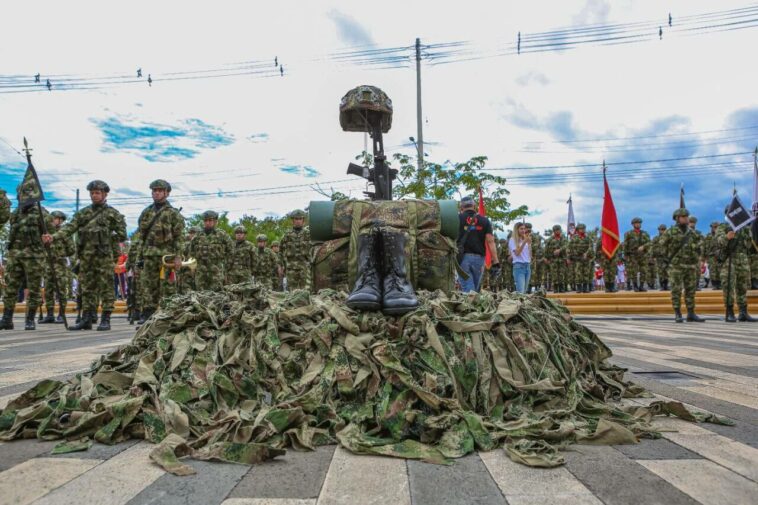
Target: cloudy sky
(230, 132)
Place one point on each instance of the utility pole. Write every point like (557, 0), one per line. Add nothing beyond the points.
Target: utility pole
(419, 123)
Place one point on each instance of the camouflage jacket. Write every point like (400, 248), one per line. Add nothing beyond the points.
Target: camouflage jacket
(266, 264)
(580, 248)
(210, 248)
(99, 228)
(242, 260)
(295, 248)
(63, 248)
(679, 252)
(25, 238)
(739, 249)
(553, 244)
(538, 251)
(166, 236)
(134, 246)
(633, 241)
(700, 243)
(5, 208)
(710, 245)
(657, 249)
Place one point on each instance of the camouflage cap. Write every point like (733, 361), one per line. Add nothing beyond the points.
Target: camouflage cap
(210, 214)
(193, 229)
(581, 226)
(160, 184)
(240, 229)
(261, 237)
(297, 213)
(661, 226)
(681, 212)
(97, 184)
(693, 219)
(557, 227)
(637, 220)
(275, 243)
(58, 214)
(714, 223)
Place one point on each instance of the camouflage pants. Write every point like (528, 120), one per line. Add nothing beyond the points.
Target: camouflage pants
(636, 265)
(96, 283)
(663, 271)
(558, 271)
(583, 271)
(684, 278)
(63, 274)
(152, 287)
(276, 282)
(736, 282)
(610, 269)
(209, 278)
(19, 270)
(715, 268)
(652, 273)
(186, 280)
(238, 277)
(298, 276)
(754, 266)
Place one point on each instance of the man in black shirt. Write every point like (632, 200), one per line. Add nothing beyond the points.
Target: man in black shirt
(474, 239)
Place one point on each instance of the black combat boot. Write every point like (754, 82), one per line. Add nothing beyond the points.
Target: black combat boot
(754, 283)
(729, 317)
(636, 287)
(85, 323)
(628, 285)
(367, 292)
(61, 315)
(744, 317)
(678, 316)
(105, 321)
(29, 323)
(715, 284)
(135, 316)
(398, 295)
(664, 285)
(145, 316)
(6, 323)
(694, 318)
(50, 318)
(642, 287)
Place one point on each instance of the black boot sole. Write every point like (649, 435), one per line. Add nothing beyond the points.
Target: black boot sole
(398, 311)
(364, 305)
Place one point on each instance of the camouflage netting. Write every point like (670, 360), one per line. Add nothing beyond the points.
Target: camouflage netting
(241, 375)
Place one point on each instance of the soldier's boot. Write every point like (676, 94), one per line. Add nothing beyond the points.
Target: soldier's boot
(694, 318)
(6, 323)
(628, 285)
(754, 283)
(729, 317)
(85, 323)
(40, 318)
(664, 285)
(715, 284)
(398, 297)
(744, 317)
(29, 322)
(678, 316)
(635, 287)
(135, 317)
(49, 318)
(105, 321)
(61, 315)
(642, 287)
(145, 316)
(367, 292)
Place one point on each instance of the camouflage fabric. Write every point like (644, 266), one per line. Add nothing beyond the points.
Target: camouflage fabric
(634, 259)
(26, 256)
(658, 252)
(294, 253)
(609, 265)
(162, 235)
(394, 214)
(131, 265)
(735, 268)
(61, 250)
(710, 252)
(266, 270)
(244, 373)
(186, 276)
(212, 250)
(241, 263)
(538, 256)
(100, 229)
(582, 256)
(364, 100)
(5, 208)
(683, 250)
(556, 263)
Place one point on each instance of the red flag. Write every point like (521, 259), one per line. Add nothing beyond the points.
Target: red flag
(609, 223)
(483, 212)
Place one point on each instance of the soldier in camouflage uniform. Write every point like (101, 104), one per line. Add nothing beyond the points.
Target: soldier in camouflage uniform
(295, 253)
(556, 253)
(26, 256)
(276, 276)
(733, 249)
(186, 275)
(710, 252)
(538, 259)
(683, 251)
(161, 228)
(609, 265)
(658, 254)
(266, 269)
(701, 248)
(243, 259)
(753, 257)
(212, 249)
(61, 251)
(636, 243)
(582, 256)
(135, 300)
(506, 280)
(100, 229)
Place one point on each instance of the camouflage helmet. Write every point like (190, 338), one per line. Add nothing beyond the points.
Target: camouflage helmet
(193, 229)
(637, 220)
(297, 213)
(363, 101)
(261, 237)
(661, 226)
(681, 212)
(210, 214)
(581, 226)
(240, 229)
(58, 215)
(160, 184)
(557, 227)
(693, 219)
(714, 223)
(275, 243)
(97, 184)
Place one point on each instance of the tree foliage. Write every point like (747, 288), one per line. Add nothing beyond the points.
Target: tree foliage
(272, 227)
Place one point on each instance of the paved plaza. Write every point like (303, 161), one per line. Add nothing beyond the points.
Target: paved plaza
(711, 366)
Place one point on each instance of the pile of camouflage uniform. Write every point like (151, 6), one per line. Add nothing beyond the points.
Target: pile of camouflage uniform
(241, 374)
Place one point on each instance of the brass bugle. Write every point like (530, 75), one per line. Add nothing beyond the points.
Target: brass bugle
(168, 262)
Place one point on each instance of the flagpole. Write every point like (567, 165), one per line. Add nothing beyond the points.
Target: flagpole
(43, 231)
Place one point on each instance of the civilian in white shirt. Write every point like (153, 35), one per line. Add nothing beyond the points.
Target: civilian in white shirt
(520, 246)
